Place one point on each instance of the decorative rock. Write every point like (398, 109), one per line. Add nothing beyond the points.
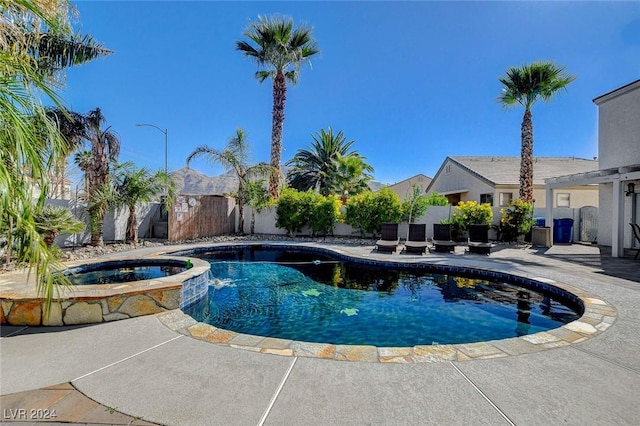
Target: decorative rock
(83, 313)
(316, 350)
(201, 330)
(356, 353)
(221, 336)
(138, 305)
(581, 327)
(25, 313)
(285, 352)
(115, 316)
(168, 299)
(114, 302)
(55, 315)
(3, 320)
(434, 353)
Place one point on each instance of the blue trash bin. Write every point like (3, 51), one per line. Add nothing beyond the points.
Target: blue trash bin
(539, 221)
(562, 229)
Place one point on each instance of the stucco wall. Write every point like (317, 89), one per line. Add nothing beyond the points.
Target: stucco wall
(458, 178)
(619, 128)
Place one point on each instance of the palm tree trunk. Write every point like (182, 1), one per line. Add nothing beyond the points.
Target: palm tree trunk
(132, 228)
(526, 158)
(279, 98)
(240, 216)
(96, 219)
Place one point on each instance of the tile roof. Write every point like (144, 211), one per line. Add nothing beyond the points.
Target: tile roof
(506, 170)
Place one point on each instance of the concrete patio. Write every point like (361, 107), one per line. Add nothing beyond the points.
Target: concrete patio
(139, 370)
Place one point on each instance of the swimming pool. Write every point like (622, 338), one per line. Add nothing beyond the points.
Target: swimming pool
(316, 296)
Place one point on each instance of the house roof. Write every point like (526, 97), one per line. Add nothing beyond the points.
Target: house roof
(506, 170)
(617, 92)
(419, 176)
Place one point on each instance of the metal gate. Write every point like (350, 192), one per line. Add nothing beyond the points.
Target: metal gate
(588, 224)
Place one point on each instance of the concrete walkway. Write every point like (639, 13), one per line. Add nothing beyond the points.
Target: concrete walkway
(140, 371)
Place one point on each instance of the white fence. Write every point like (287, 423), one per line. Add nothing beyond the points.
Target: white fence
(115, 222)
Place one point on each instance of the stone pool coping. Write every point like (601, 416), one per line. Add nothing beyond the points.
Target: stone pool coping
(598, 315)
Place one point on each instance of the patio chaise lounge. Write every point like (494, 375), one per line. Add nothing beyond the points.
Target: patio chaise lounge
(479, 239)
(442, 238)
(417, 239)
(389, 239)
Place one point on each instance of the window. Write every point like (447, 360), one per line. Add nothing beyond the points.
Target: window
(505, 198)
(447, 169)
(486, 198)
(563, 200)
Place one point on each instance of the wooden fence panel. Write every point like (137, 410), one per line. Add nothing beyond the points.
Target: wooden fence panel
(201, 216)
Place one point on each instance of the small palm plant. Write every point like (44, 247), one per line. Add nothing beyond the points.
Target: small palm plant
(134, 186)
(235, 156)
(52, 221)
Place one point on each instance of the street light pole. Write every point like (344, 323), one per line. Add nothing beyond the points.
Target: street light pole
(166, 143)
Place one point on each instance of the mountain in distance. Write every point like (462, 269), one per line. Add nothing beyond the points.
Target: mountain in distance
(191, 182)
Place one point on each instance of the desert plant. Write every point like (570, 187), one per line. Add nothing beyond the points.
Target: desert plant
(52, 221)
(517, 219)
(525, 85)
(471, 213)
(281, 49)
(257, 197)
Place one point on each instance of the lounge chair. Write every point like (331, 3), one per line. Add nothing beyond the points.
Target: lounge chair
(636, 234)
(389, 239)
(442, 238)
(479, 239)
(417, 239)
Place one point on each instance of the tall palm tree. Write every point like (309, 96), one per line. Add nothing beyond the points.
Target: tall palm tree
(316, 168)
(235, 156)
(281, 49)
(96, 163)
(134, 186)
(525, 85)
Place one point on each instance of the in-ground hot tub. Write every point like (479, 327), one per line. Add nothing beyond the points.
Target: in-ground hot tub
(108, 291)
(123, 271)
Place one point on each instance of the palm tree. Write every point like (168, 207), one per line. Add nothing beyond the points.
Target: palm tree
(525, 85)
(28, 140)
(96, 163)
(281, 49)
(316, 168)
(51, 221)
(257, 197)
(351, 176)
(234, 156)
(134, 186)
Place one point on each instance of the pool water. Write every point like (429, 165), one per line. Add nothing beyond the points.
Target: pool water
(313, 297)
(119, 272)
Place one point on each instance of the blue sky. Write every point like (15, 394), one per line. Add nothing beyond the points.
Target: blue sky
(410, 82)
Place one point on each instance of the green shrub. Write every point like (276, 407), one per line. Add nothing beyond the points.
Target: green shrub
(471, 213)
(295, 210)
(290, 214)
(368, 210)
(325, 214)
(517, 219)
(417, 205)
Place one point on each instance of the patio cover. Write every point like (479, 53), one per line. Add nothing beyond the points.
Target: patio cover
(617, 176)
